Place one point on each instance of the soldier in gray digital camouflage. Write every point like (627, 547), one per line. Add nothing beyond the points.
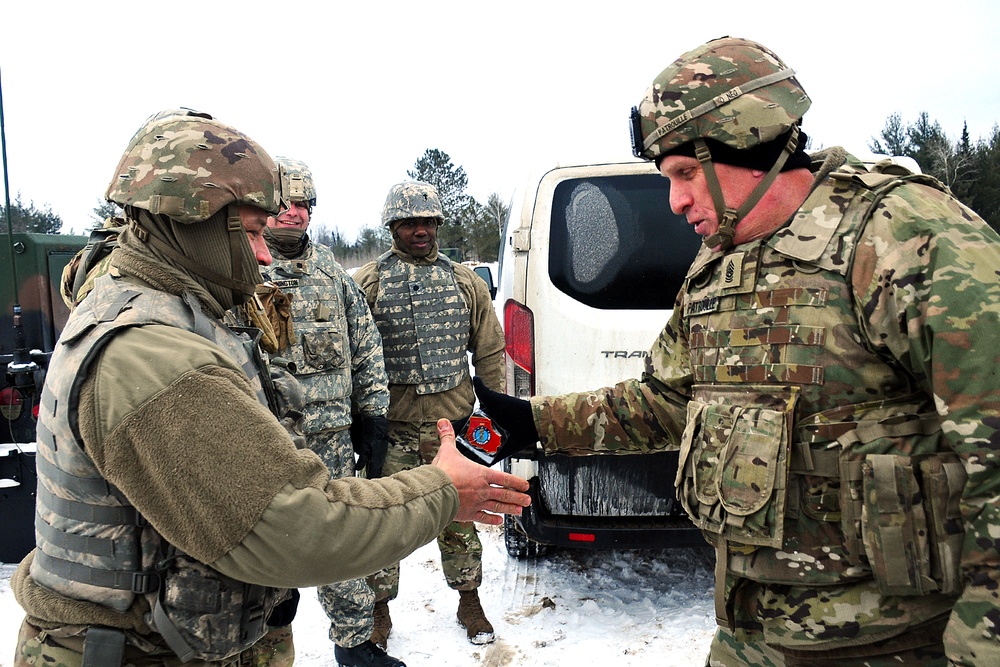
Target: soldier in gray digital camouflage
(431, 313)
(828, 376)
(174, 510)
(336, 352)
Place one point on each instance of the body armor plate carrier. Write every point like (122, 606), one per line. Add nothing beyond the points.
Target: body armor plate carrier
(808, 457)
(424, 322)
(92, 543)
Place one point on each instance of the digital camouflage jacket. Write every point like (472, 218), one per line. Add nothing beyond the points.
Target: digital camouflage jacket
(336, 349)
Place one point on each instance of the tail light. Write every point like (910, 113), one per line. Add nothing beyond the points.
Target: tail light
(11, 403)
(519, 336)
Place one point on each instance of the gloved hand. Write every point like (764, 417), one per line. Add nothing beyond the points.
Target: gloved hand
(278, 309)
(372, 445)
(288, 392)
(513, 415)
(289, 398)
(284, 613)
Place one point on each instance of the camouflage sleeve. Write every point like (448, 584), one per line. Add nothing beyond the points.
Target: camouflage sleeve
(370, 391)
(485, 334)
(927, 278)
(634, 416)
(367, 279)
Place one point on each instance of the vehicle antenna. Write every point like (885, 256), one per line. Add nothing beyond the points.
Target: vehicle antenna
(21, 368)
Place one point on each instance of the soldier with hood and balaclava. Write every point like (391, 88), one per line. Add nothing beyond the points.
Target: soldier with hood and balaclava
(173, 508)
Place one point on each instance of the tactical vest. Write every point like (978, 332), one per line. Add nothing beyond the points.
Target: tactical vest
(424, 321)
(321, 350)
(808, 457)
(92, 544)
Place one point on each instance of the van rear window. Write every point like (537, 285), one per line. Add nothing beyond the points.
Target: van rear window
(615, 244)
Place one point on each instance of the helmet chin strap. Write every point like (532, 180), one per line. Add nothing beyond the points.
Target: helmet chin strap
(242, 290)
(728, 217)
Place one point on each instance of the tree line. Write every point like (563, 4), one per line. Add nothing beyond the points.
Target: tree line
(970, 169)
(473, 229)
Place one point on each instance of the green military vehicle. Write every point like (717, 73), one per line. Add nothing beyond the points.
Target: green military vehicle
(30, 282)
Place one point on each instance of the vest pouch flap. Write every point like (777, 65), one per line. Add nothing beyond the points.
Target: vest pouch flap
(735, 461)
(322, 350)
(204, 614)
(894, 526)
(751, 460)
(944, 479)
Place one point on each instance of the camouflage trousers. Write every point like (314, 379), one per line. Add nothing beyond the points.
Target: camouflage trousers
(348, 604)
(412, 445)
(920, 646)
(37, 647)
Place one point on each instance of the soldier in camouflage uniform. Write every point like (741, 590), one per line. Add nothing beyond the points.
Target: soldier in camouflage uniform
(431, 313)
(165, 482)
(337, 355)
(828, 376)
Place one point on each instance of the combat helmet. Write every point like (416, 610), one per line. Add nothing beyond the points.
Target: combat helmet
(297, 183)
(186, 166)
(412, 199)
(734, 91)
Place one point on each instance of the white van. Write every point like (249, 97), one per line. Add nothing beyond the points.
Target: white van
(590, 266)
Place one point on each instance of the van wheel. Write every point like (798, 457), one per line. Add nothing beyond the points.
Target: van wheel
(518, 544)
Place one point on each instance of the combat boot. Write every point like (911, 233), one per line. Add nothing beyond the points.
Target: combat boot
(383, 624)
(365, 655)
(473, 618)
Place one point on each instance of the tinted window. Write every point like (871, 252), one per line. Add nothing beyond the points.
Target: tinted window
(615, 244)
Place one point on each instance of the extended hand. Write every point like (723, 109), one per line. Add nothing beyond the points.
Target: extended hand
(484, 494)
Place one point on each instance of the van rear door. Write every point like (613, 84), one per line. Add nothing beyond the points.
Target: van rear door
(594, 267)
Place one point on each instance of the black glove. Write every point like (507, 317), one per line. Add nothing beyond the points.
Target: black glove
(510, 414)
(372, 445)
(290, 398)
(284, 613)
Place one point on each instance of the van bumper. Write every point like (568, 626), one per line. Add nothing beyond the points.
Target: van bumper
(605, 532)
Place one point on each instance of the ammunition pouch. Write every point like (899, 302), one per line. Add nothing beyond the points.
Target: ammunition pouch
(898, 503)
(204, 614)
(732, 472)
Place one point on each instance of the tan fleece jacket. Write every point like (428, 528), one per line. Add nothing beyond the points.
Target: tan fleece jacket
(485, 342)
(171, 421)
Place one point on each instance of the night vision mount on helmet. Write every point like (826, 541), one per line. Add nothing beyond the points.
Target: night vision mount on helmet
(297, 183)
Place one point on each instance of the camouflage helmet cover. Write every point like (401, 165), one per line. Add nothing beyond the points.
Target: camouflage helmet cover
(412, 199)
(186, 165)
(732, 90)
(297, 183)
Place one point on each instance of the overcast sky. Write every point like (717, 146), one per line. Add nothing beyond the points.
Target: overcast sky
(359, 90)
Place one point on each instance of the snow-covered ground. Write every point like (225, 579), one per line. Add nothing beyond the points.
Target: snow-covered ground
(572, 608)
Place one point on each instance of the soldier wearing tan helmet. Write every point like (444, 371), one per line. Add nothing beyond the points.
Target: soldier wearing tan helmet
(827, 377)
(336, 351)
(431, 313)
(173, 509)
